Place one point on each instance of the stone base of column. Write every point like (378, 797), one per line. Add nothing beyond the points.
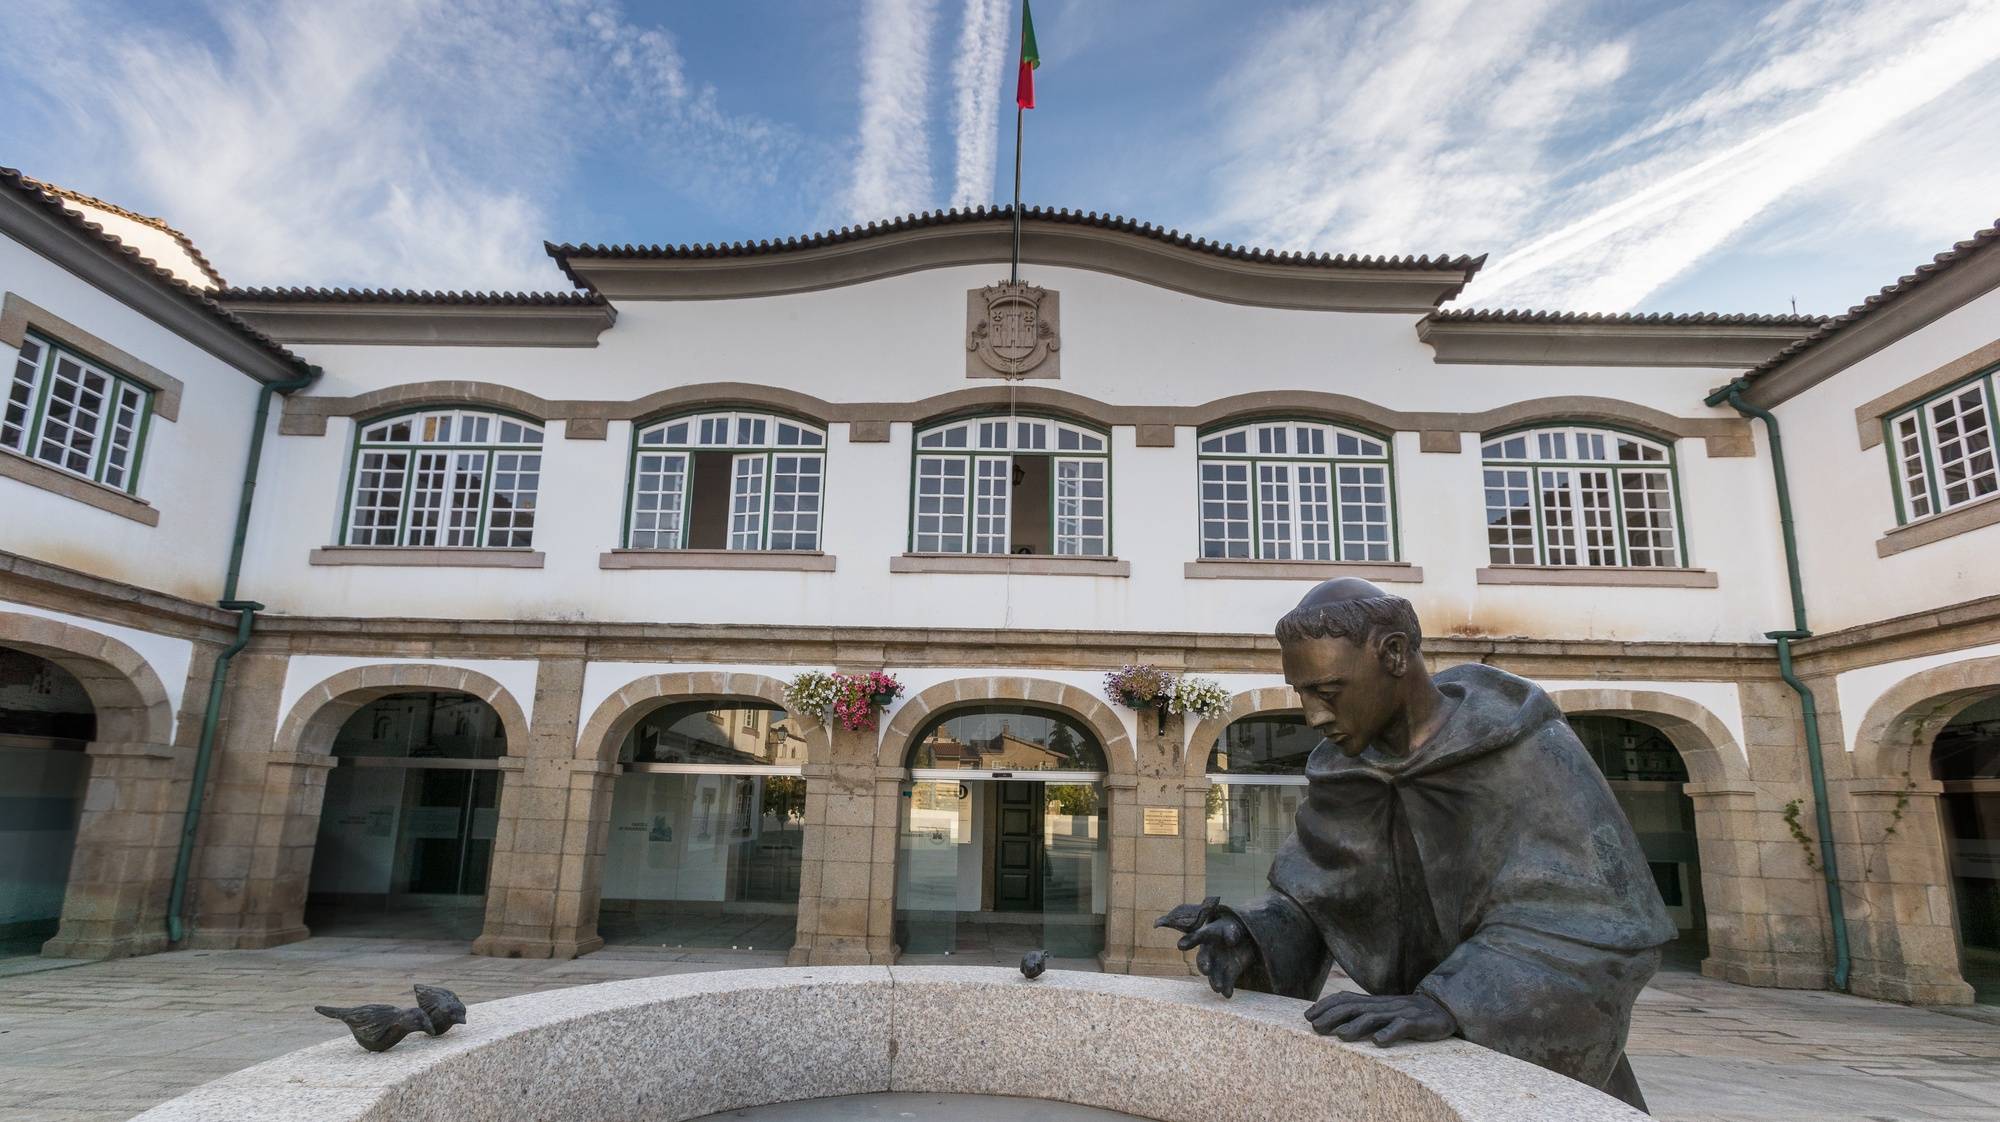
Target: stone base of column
(116, 946)
(1153, 962)
(1909, 991)
(1769, 975)
(243, 938)
(841, 950)
(516, 946)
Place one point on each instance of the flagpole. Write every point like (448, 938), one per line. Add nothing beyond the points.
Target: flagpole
(1014, 276)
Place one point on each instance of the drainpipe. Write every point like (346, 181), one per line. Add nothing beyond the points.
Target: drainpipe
(1732, 395)
(246, 615)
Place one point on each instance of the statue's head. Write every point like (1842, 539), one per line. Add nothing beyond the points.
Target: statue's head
(1351, 651)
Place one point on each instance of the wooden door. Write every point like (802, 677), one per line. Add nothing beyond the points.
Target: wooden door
(1017, 849)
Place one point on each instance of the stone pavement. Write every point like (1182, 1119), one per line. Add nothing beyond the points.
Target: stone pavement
(102, 1041)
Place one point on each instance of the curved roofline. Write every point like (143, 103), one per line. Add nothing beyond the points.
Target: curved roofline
(1110, 244)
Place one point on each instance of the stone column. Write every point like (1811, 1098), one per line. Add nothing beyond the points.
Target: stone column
(126, 841)
(550, 809)
(847, 883)
(1151, 872)
(1898, 886)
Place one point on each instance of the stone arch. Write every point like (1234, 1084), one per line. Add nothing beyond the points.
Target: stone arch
(1120, 757)
(1895, 735)
(616, 715)
(1704, 742)
(131, 701)
(1265, 700)
(316, 717)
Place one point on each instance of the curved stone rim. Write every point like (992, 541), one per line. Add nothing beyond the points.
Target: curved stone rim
(871, 1020)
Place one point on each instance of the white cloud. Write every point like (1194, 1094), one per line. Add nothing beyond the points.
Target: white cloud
(366, 142)
(1597, 167)
(976, 74)
(892, 171)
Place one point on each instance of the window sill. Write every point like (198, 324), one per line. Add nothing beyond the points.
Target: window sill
(421, 557)
(1936, 528)
(1387, 572)
(781, 560)
(34, 473)
(1599, 575)
(1010, 564)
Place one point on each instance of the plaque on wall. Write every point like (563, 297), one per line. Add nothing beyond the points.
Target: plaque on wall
(1013, 331)
(1163, 821)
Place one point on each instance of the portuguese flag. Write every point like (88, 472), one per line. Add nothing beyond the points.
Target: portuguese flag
(1031, 57)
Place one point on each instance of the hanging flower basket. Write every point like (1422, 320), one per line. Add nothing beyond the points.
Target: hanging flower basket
(851, 699)
(1140, 688)
(1204, 697)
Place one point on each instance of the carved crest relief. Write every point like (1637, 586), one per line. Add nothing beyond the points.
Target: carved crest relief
(1012, 331)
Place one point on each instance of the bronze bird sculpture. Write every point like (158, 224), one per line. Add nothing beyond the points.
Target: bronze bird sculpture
(1033, 963)
(378, 1027)
(441, 1008)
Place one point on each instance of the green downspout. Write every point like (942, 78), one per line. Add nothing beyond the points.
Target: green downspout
(246, 615)
(1732, 394)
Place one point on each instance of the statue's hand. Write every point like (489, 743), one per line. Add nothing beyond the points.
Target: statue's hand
(1226, 951)
(1387, 1018)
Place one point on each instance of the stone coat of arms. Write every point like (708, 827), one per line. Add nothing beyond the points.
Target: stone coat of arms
(1012, 331)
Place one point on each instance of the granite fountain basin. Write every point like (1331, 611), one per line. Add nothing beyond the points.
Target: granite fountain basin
(683, 1046)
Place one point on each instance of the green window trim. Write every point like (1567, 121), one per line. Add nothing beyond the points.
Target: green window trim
(1214, 447)
(1916, 481)
(991, 437)
(496, 455)
(1541, 457)
(743, 434)
(124, 404)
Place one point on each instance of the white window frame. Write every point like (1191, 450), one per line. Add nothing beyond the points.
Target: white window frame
(968, 464)
(1271, 464)
(113, 440)
(1919, 450)
(1578, 479)
(760, 518)
(439, 469)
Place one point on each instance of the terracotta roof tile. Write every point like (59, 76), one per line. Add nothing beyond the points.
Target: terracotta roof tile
(1889, 295)
(407, 296)
(12, 179)
(159, 224)
(1029, 215)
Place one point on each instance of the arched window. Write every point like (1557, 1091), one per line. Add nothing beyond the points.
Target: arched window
(1257, 778)
(1966, 758)
(1322, 493)
(1012, 485)
(1001, 738)
(1581, 496)
(445, 478)
(726, 480)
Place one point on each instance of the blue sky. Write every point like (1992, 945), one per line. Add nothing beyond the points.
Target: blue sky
(1703, 155)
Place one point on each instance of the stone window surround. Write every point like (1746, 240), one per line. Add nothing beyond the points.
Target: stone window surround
(19, 316)
(1157, 425)
(1010, 564)
(768, 560)
(403, 555)
(1624, 576)
(1868, 417)
(34, 473)
(1937, 527)
(1381, 572)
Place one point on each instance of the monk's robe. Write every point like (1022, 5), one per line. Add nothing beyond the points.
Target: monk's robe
(1490, 869)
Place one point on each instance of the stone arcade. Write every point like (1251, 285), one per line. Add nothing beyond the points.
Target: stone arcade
(526, 575)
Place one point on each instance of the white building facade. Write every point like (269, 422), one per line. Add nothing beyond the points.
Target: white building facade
(531, 574)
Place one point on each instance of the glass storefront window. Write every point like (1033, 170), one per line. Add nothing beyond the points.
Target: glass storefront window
(1965, 757)
(1256, 774)
(707, 829)
(1002, 848)
(1647, 777)
(407, 824)
(46, 721)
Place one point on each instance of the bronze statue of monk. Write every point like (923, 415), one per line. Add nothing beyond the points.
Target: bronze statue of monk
(1458, 854)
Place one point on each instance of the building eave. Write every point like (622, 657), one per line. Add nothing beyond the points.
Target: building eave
(425, 319)
(39, 221)
(1553, 339)
(1060, 239)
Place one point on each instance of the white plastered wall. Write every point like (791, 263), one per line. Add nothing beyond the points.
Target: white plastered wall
(1844, 496)
(191, 470)
(169, 657)
(901, 339)
(1861, 689)
(303, 672)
